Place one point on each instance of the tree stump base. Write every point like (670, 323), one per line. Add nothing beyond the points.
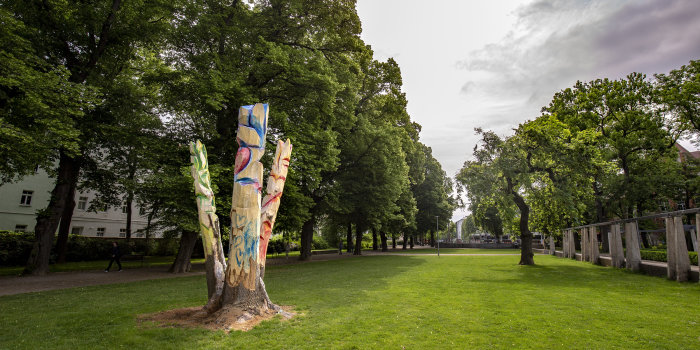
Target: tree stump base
(228, 318)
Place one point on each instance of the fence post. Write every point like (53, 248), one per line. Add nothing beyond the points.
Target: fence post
(585, 240)
(595, 252)
(616, 252)
(682, 259)
(572, 244)
(670, 248)
(697, 232)
(564, 241)
(633, 255)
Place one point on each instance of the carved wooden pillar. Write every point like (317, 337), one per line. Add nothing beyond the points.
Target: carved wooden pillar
(247, 188)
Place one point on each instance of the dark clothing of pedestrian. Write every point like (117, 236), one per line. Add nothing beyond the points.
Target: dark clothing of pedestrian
(115, 257)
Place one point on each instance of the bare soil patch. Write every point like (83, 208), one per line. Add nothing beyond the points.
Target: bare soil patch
(229, 318)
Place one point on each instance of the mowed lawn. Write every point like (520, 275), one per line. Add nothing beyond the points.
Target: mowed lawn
(456, 251)
(385, 302)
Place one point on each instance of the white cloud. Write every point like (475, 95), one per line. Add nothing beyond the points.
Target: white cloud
(494, 64)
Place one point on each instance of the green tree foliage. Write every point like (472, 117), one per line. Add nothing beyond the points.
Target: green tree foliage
(600, 150)
(679, 92)
(433, 196)
(633, 138)
(39, 105)
(88, 46)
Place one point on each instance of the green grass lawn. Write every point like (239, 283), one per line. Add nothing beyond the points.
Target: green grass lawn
(458, 251)
(384, 302)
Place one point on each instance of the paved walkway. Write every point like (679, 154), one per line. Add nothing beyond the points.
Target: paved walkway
(10, 285)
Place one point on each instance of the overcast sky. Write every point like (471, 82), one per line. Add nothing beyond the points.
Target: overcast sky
(494, 64)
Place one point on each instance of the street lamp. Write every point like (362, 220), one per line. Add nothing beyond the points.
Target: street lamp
(436, 233)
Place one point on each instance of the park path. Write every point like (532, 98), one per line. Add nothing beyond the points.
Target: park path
(10, 285)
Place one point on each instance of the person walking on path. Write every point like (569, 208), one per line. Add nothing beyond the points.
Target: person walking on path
(115, 257)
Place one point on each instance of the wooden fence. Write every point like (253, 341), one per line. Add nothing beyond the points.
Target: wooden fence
(629, 256)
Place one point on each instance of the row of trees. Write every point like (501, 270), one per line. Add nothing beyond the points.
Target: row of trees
(107, 97)
(600, 150)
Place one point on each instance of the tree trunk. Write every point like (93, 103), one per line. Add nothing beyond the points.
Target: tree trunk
(348, 239)
(645, 240)
(149, 219)
(184, 253)
(385, 248)
(411, 241)
(374, 239)
(129, 201)
(307, 236)
(358, 240)
(48, 219)
(214, 259)
(252, 220)
(405, 241)
(393, 241)
(64, 226)
(432, 239)
(526, 254)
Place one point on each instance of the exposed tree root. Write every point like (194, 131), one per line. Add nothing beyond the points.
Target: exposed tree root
(228, 318)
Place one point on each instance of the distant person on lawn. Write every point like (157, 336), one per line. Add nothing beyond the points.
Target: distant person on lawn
(115, 257)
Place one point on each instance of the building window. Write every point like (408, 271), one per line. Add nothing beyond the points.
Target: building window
(20, 228)
(122, 232)
(142, 211)
(139, 235)
(26, 198)
(100, 232)
(124, 208)
(76, 230)
(82, 203)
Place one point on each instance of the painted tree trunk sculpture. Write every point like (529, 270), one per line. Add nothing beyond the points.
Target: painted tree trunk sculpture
(240, 283)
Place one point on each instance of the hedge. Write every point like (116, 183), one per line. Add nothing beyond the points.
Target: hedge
(660, 255)
(16, 246)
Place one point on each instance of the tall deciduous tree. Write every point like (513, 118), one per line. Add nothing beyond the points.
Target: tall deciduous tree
(91, 44)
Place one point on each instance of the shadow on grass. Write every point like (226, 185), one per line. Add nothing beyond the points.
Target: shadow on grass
(551, 272)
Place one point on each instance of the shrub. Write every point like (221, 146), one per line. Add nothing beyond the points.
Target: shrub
(276, 245)
(15, 247)
(660, 255)
(319, 243)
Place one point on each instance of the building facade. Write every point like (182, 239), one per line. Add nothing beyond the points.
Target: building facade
(20, 201)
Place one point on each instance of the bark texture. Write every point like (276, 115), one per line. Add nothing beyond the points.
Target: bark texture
(382, 235)
(348, 238)
(239, 285)
(182, 260)
(307, 236)
(358, 240)
(526, 253)
(48, 220)
(64, 226)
